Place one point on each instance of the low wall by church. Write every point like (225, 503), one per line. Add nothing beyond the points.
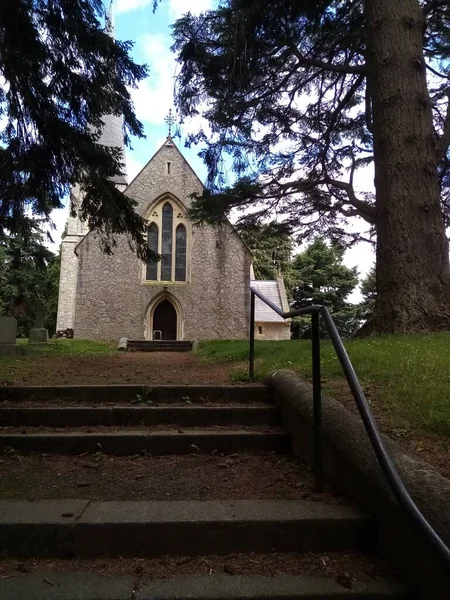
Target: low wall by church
(272, 331)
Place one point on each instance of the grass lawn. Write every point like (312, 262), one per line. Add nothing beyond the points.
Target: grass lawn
(63, 347)
(406, 377)
(41, 364)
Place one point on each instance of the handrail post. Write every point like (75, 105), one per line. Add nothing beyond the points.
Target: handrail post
(251, 364)
(317, 403)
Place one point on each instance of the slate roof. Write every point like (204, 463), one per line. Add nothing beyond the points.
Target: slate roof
(271, 290)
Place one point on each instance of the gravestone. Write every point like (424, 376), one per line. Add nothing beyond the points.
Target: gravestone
(8, 334)
(38, 335)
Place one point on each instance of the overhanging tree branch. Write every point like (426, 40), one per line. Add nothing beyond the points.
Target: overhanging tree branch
(364, 210)
(430, 6)
(444, 141)
(430, 68)
(326, 66)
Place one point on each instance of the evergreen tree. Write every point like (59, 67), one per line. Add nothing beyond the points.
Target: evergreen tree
(29, 279)
(60, 73)
(320, 277)
(271, 245)
(301, 94)
(369, 293)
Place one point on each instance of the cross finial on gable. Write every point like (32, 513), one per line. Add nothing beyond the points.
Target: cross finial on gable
(170, 120)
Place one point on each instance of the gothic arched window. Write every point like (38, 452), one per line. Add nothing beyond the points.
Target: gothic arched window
(167, 237)
(167, 243)
(152, 242)
(180, 253)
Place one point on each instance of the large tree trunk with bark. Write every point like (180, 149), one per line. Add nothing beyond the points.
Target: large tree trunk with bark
(413, 274)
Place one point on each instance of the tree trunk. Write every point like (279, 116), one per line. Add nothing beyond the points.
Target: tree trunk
(413, 274)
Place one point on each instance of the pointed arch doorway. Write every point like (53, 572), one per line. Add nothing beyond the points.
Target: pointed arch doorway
(165, 321)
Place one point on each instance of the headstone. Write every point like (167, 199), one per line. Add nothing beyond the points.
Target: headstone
(39, 318)
(8, 334)
(38, 335)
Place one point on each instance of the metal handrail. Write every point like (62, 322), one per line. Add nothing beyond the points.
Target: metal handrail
(390, 471)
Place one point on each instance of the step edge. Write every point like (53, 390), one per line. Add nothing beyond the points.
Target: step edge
(213, 587)
(260, 407)
(173, 512)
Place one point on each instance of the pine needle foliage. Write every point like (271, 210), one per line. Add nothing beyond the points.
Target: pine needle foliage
(60, 74)
(283, 87)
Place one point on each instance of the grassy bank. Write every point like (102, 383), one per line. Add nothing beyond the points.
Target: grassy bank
(65, 347)
(47, 364)
(406, 378)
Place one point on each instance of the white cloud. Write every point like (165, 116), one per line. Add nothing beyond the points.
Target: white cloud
(177, 8)
(362, 256)
(133, 166)
(129, 5)
(59, 217)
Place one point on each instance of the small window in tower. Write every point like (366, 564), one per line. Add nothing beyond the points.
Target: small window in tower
(260, 329)
(168, 168)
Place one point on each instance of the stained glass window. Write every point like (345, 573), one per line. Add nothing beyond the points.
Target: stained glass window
(180, 254)
(152, 241)
(167, 243)
(167, 238)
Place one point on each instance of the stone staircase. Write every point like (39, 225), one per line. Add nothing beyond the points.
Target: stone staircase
(159, 346)
(215, 440)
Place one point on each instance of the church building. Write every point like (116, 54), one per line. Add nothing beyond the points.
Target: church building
(199, 290)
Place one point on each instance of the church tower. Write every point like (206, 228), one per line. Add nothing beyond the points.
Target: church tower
(112, 136)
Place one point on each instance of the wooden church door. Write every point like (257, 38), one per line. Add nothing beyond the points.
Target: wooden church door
(165, 321)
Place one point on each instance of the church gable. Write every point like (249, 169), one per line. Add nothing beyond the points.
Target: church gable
(168, 172)
(204, 271)
(169, 177)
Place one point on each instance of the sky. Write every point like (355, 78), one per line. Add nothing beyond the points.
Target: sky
(151, 33)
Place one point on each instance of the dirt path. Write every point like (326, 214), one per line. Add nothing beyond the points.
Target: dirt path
(127, 367)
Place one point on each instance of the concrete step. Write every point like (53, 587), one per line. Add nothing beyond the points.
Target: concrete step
(159, 343)
(183, 416)
(159, 346)
(196, 394)
(160, 349)
(91, 586)
(192, 476)
(79, 528)
(129, 441)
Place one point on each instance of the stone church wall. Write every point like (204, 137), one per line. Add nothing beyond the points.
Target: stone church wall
(67, 284)
(112, 298)
(273, 331)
